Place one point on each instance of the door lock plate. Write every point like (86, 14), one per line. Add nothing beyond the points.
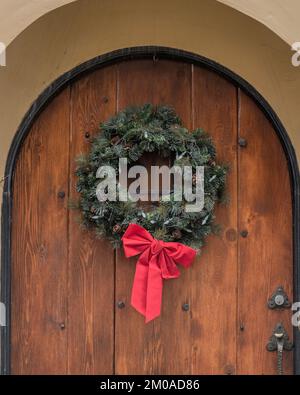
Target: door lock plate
(279, 333)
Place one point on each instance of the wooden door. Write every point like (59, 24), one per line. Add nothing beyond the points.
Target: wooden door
(66, 283)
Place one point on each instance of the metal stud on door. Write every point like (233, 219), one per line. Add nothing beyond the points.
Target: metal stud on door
(279, 299)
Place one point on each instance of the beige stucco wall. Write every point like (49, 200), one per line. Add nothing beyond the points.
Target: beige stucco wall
(16, 15)
(84, 29)
(281, 16)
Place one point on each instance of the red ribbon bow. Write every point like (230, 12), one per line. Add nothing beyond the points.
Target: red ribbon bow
(157, 261)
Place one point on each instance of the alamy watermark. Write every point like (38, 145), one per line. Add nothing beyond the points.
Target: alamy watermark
(2, 314)
(296, 316)
(2, 54)
(187, 185)
(296, 55)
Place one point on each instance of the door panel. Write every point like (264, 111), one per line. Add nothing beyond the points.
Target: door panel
(213, 277)
(265, 256)
(39, 256)
(156, 347)
(91, 261)
(66, 282)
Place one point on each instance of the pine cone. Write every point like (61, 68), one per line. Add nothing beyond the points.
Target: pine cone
(128, 146)
(212, 163)
(93, 210)
(117, 228)
(115, 139)
(177, 234)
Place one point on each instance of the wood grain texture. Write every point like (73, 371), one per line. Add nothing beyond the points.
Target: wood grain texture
(40, 245)
(91, 266)
(265, 256)
(213, 279)
(66, 283)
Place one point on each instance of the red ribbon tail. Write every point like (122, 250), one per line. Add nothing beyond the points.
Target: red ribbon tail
(139, 288)
(154, 291)
(147, 290)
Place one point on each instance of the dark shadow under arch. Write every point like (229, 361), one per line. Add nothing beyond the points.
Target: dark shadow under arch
(57, 86)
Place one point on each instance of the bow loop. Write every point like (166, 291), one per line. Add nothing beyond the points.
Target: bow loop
(136, 240)
(157, 261)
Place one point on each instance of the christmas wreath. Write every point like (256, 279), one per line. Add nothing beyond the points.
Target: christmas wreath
(167, 224)
(130, 134)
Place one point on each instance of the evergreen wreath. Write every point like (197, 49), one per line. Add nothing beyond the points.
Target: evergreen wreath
(129, 134)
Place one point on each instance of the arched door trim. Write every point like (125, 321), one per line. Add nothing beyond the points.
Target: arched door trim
(61, 83)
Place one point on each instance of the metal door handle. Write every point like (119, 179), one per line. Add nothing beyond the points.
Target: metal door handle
(279, 341)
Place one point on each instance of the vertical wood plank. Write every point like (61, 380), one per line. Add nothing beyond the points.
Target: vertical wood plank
(162, 346)
(91, 267)
(214, 275)
(40, 245)
(265, 256)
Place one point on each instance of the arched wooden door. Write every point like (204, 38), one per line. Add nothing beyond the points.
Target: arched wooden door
(66, 283)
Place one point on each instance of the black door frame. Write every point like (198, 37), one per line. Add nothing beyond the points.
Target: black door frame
(77, 72)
